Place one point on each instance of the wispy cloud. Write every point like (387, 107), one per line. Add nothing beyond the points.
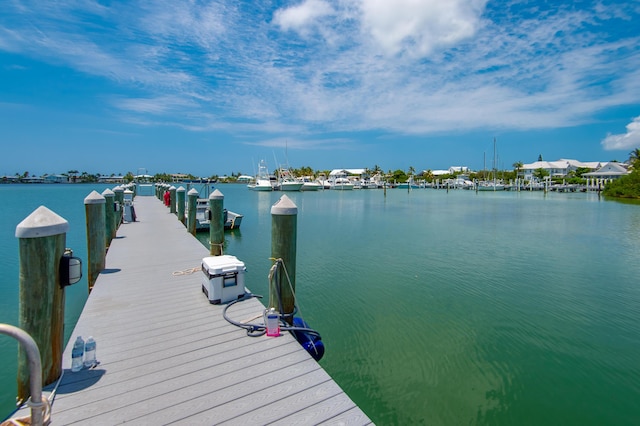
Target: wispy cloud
(629, 140)
(415, 67)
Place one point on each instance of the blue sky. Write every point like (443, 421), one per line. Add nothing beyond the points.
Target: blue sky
(212, 87)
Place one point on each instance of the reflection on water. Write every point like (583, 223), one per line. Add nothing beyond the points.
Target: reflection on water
(462, 308)
(457, 308)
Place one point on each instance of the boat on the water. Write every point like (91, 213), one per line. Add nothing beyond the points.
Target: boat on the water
(232, 220)
(494, 184)
(342, 183)
(490, 186)
(287, 182)
(263, 180)
(308, 184)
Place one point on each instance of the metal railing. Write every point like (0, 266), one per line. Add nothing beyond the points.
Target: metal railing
(29, 345)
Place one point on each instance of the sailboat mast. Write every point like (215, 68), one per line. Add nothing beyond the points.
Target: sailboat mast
(495, 172)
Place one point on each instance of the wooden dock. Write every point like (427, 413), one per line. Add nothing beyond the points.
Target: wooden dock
(167, 356)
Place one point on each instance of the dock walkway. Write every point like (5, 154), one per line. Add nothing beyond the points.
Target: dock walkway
(167, 356)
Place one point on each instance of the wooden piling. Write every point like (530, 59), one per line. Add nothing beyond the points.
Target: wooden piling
(192, 197)
(96, 247)
(119, 200)
(180, 195)
(172, 199)
(284, 222)
(216, 225)
(109, 216)
(42, 239)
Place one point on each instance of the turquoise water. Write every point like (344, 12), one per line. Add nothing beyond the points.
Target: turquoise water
(435, 307)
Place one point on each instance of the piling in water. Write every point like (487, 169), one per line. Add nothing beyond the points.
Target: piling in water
(180, 194)
(42, 239)
(192, 200)
(216, 225)
(109, 215)
(119, 200)
(96, 247)
(172, 199)
(284, 223)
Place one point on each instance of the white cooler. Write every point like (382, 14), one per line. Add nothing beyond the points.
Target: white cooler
(223, 279)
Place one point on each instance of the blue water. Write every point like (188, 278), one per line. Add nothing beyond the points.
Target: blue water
(435, 307)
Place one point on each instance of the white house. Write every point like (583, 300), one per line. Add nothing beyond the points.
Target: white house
(347, 172)
(557, 168)
(244, 178)
(56, 179)
(450, 171)
(609, 171)
(111, 179)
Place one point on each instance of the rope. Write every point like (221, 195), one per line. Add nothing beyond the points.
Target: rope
(186, 271)
(273, 273)
(44, 405)
(295, 298)
(221, 245)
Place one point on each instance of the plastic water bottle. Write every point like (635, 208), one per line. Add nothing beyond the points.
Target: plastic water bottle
(90, 353)
(272, 322)
(76, 355)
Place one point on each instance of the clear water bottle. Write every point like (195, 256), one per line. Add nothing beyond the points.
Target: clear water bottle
(272, 322)
(90, 352)
(76, 355)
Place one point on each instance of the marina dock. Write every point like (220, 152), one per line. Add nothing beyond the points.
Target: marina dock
(167, 356)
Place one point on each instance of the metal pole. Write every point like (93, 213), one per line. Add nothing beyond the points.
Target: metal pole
(35, 370)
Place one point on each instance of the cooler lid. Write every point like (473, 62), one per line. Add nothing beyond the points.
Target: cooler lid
(215, 265)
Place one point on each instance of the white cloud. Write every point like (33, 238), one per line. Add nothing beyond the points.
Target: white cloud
(407, 66)
(629, 140)
(420, 26)
(302, 17)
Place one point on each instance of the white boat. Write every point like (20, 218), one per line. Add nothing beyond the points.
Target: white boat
(263, 180)
(490, 186)
(291, 185)
(342, 183)
(309, 184)
(460, 182)
(288, 182)
(323, 181)
(232, 220)
(369, 184)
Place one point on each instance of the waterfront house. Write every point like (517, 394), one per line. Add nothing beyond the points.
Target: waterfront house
(111, 179)
(453, 170)
(611, 170)
(347, 172)
(10, 179)
(245, 179)
(559, 168)
(56, 179)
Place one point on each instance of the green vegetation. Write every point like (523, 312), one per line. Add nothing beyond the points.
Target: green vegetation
(540, 174)
(627, 186)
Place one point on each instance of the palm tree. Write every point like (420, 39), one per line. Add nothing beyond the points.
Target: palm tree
(517, 165)
(634, 158)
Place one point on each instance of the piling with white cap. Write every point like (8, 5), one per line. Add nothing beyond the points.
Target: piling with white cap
(216, 225)
(42, 238)
(96, 240)
(284, 223)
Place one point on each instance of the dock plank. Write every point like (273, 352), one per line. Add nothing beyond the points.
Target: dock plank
(167, 356)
